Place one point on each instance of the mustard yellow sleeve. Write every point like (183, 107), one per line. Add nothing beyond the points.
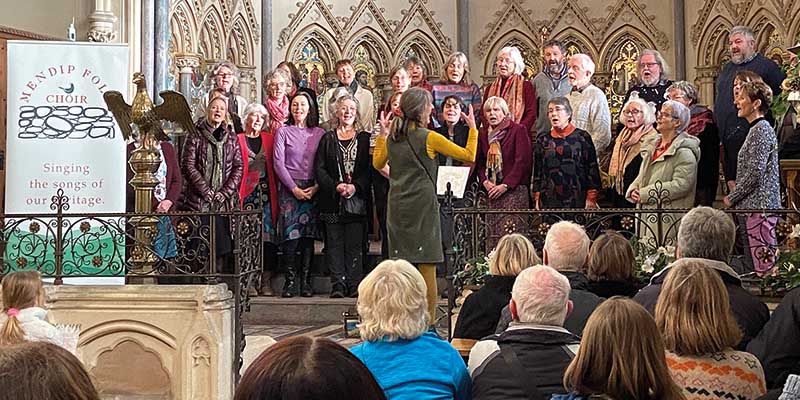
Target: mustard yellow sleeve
(380, 155)
(438, 144)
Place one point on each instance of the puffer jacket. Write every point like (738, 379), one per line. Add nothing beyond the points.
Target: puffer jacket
(197, 191)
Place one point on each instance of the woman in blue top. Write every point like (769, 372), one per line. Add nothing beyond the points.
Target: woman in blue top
(407, 361)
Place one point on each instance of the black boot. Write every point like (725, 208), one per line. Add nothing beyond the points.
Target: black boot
(289, 285)
(306, 258)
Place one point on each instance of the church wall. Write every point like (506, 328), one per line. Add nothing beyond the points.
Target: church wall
(46, 17)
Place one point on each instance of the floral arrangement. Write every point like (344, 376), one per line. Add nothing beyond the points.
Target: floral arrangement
(474, 272)
(649, 262)
(791, 67)
(786, 273)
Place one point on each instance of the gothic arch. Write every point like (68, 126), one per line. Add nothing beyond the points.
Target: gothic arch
(713, 41)
(373, 42)
(211, 35)
(182, 26)
(321, 39)
(241, 42)
(422, 45)
(612, 45)
(584, 43)
(525, 45)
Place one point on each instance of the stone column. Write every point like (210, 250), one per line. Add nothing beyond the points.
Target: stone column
(706, 77)
(679, 18)
(266, 39)
(462, 24)
(248, 83)
(186, 63)
(161, 52)
(148, 44)
(101, 23)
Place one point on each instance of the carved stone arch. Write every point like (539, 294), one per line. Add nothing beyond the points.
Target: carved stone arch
(375, 44)
(618, 63)
(212, 38)
(321, 39)
(183, 26)
(765, 24)
(575, 39)
(614, 43)
(516, 38)
(240, 42)
(714, 41)
(794, 33)
(423, 47)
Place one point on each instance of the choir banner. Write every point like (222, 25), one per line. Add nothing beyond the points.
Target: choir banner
(62, 136)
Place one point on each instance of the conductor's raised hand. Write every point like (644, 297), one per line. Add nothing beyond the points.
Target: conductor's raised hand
(385, 121)
(470, 118)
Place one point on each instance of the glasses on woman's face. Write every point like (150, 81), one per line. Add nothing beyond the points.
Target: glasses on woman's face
(631, 112)
(224, 75)
(665, 115)
(556, 110)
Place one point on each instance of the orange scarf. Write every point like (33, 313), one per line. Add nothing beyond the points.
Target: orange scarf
(511, 93)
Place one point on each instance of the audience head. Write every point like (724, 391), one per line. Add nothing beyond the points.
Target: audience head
(580, 69)
(554, 55)
(621, 355)
(392, 303)
(217, 111)
(278, 84)
(540, 296)
(345, 72)
(347, 110)
(509, 62)
(291, 69)
(706, 232)
(652, 67)
(742, 44)
(693, 312)
(452, 107)
(611, 258)
(400, 79)
(673, 117)
(416, 70)
(41, 370)
(512, 254)
(21, 290)
(303, 367)
(636, 113)
(744, 76)
(495, 110)
(754, 99)
(559, 112)
(456, 69)
(566, 247)
(683, 92)
(224, 73)
(302, 111)
(255, 116)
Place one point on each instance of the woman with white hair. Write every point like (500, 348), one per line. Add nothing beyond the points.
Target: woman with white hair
(504, 168)
(668, 175)
(455, 81)
(408, 361)
(259, 187)
(224, 76)
(277, 84)
(515, 89)
(637, 118)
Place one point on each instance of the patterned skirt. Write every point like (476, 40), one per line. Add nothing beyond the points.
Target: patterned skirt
(298, 219)
(499, 225)
(259, 199)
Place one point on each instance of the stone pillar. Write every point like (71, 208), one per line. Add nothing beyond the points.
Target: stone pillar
(679, 18)
(101, 23)
(148, 44)
(186, 63)
(161, 52)
(706, 78)
(266, 39)
(248, 83)
(462, 24)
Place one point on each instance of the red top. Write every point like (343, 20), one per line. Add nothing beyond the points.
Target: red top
(247, 186)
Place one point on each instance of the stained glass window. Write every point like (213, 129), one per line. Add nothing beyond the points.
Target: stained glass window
(311, 67)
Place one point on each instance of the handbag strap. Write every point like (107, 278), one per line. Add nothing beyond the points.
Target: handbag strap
(526, 382)
(414, 152)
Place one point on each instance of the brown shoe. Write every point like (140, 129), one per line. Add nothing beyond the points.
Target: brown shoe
(266, 285)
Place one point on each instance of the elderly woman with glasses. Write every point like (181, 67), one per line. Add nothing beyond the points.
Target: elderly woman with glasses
(278, 85)
(668, 175)
(224, 77)
(511, 86)
(637, 118)
(703, 127)
(455, 81)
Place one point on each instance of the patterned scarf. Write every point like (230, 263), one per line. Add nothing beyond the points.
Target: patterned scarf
(494, 157)
(215, 155)
(278, 112)
(352, 87)
(511, 93)
(701, 116)
(626, 148)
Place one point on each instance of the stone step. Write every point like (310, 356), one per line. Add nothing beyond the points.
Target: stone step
(297, 310)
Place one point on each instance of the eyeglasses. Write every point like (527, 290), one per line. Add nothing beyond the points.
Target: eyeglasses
(277, 85)
(665, 115)
(631, 112)
(224, 75)
(557, 109)
(647, 64)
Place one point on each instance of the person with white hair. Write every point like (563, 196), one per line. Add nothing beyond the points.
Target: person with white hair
(225, 79)
(407, 360)
(566, 249)
(732, 128)
(652, 72)
(512, 87)
(637, 118)
(668, 175)
(528, 359)
(590, 110)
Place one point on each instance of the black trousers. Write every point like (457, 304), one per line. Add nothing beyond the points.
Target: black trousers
(343, 254)
(380, 189)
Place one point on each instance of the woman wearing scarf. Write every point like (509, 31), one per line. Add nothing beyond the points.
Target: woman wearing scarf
(566, 174)
(259, 188)
(294, 73)
(225, 78)
(511, 86)
(212, 164)
(637, 118)
(277, 84)
(295, 148)
(455, 81)
(703, 127)
(504, 168)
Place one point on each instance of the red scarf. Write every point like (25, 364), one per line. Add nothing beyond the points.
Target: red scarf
(278, 112)
(699, 121)
(512, 94)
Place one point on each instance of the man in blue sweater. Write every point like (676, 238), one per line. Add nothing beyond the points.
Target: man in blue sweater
(732, 129)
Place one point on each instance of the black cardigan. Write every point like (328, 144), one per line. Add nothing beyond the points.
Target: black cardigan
(327, 171)
(481, 310)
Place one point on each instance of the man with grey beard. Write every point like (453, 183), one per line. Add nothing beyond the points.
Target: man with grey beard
(551, 81)
(652, 72)
(732, 129)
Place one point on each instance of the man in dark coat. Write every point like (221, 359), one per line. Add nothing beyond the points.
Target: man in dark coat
(777, 346)
(732, 129)
(709, 234)
(527, 360)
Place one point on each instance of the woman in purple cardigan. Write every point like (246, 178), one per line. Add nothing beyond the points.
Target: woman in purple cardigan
(504, 168)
